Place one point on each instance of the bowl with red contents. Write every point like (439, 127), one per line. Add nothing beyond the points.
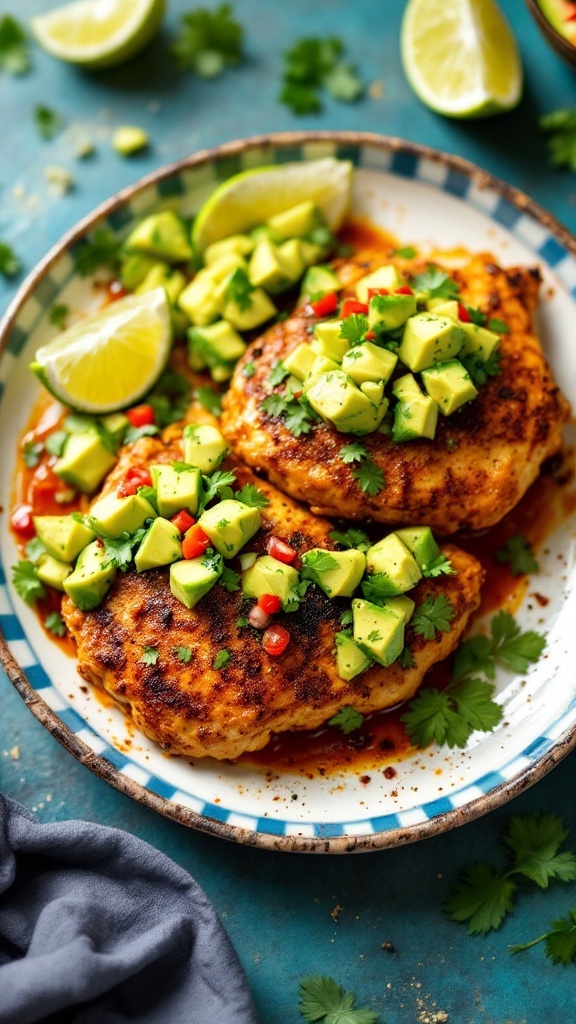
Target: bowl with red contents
(556, 20)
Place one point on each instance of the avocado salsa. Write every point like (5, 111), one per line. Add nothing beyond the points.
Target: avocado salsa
(391, 360)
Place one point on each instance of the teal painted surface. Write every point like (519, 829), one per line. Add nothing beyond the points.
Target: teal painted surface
(278, 908)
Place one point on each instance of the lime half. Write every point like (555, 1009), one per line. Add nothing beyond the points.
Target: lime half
(98, 33)
(252, 197)
(110, 360)
(460, 57)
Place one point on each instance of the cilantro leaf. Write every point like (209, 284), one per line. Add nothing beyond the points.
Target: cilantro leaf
(274, 405)
(347, 719)
(450, 716)
(437, 283)
(100, 250)
(347, 617)
(170, 398)
(58, 315)
(439, 566)
(295, 596)
(183, 654)
(47, 121)
(150, 656)
(351, 538)
(31, 453)
(477, 317)
(239, 290)
(515, 649)
(9, 262)
(354, 328)
(208, 41)
(353, 452)
(252, 496)
(209, 400)
(14, 52)
(343, 83)
(517, 553)
(406, 658)
(560, 940)
(35, 549)
(219, 484)
(433, 615)
(301, 99)
(535, 840)
(315, 563)
(55, 442)
(278, 374)
(55, 624)
(370, 478)
(407, 252)
(481, 369)
(26, 582)
(322, 999)
(249, 369)
(561, 128)
(222, 659)
(482, 899)
(498, 326)
(229, 579)
(299, 418)
(377, 588)
(315, 63)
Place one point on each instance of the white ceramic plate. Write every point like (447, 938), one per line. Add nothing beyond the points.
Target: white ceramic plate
(431, 200)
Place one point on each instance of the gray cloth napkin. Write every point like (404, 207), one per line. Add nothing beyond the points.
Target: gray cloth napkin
(98, 927)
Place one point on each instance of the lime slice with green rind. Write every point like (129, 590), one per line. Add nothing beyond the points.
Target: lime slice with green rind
(460, 57)
(98, 33)
(108, 361)
(253, 196)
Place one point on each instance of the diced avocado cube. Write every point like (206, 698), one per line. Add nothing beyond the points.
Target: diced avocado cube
(163, 235)
(135, 268)
(429, 339)
(269, 576)
(450, 385)
(62, 536)
(297, 222)
(85, 461)
(445, 307)
(52, 571)
(292, 259)
(478, 341)
(328, 340)
(395, 566)
(172, 281)
(415, 417)
(198, 300)
(378, 631)
(406, 387)
(115, 423)
(386, 277)
(266, 268)
(92, 578)
(239, 245)
(180, 323)
(192, 578)
(204, 446)
(300, 361)
(368, 362)
(342, 578)
(388, 312)
(335, 397)
(216, 345)
(313, 254)
(403, 605)
(259, 309)
(320, 280)
(160, 546)
(230, 524)
(420, 541)
(113, 516)
(176, 489)
(223, 267)
(374, 392)
(265, 231)
(350, 659)
(322, 364)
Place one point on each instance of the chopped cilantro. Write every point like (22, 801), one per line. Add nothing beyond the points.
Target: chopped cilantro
(498, 326)
(242, 622)
(481, 369)
(518, 554)
(353, 537)
(295, 596)
(101, 249)
(14, 51)
(439, 566)
(354, 328)
(229, 579)
(150, 656)
(209, 400)
(407, 659)
(58, 315)
(35, 549)
(9, 262)
(370, 478)
(434, 615)
(561, 128)
(252, 496)
(406, 252)
(347, 617)
(47, 121)
(183, 654)
(55, 624)
(315, 563)
(278, 374)
(31, 453)
(353, 452)
(437, 283)
(55, 442)
(347, 719)
(249, 369)
(239, 290)
(222, 659)
(26, 582)
(312, 64)
(208, 41)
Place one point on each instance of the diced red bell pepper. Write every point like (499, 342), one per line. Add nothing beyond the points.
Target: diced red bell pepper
(270, 603)
(195, 542)
(141, 416)
(350, 306)
(325, 305)
(377, 291)
(463, 314)
(281, 550)
(275, 640)
(136, 476)
(369, 336)
(183, 521)
(404, 289)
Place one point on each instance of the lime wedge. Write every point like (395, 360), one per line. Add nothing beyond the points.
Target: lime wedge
(460, 57)
(253, 196)
(98, 33)
(110, 360)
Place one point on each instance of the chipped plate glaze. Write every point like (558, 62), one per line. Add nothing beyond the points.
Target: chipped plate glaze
(424, 198)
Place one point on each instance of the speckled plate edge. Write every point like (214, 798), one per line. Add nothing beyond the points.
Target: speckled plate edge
(397, 156)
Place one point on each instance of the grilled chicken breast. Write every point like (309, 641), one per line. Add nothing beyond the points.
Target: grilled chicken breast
(196, 710)
(483, 458)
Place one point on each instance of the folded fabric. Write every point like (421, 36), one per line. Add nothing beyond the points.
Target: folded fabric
(98, 927)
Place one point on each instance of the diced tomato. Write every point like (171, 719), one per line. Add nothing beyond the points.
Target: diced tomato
(195, 542)
(275, 640)
(135, 477)
(325, 305)
(257, 617)
(350, 306)
(270, 603)
(183, 521)
(22, 521)
(377, 291)
(369, 336)
(463, 314)
(404, 289)
(141, 416)
(281, 550)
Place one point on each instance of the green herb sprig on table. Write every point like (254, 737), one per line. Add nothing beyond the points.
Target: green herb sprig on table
(560, 127)
(14, 49)
(313, 64)
(323, 1000)
(208, 41)
(9, 263)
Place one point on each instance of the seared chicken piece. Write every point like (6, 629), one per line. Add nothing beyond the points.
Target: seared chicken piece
(196, 710)
(483, 458)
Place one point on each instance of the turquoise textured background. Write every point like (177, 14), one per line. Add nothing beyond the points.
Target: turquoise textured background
(279, 909)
